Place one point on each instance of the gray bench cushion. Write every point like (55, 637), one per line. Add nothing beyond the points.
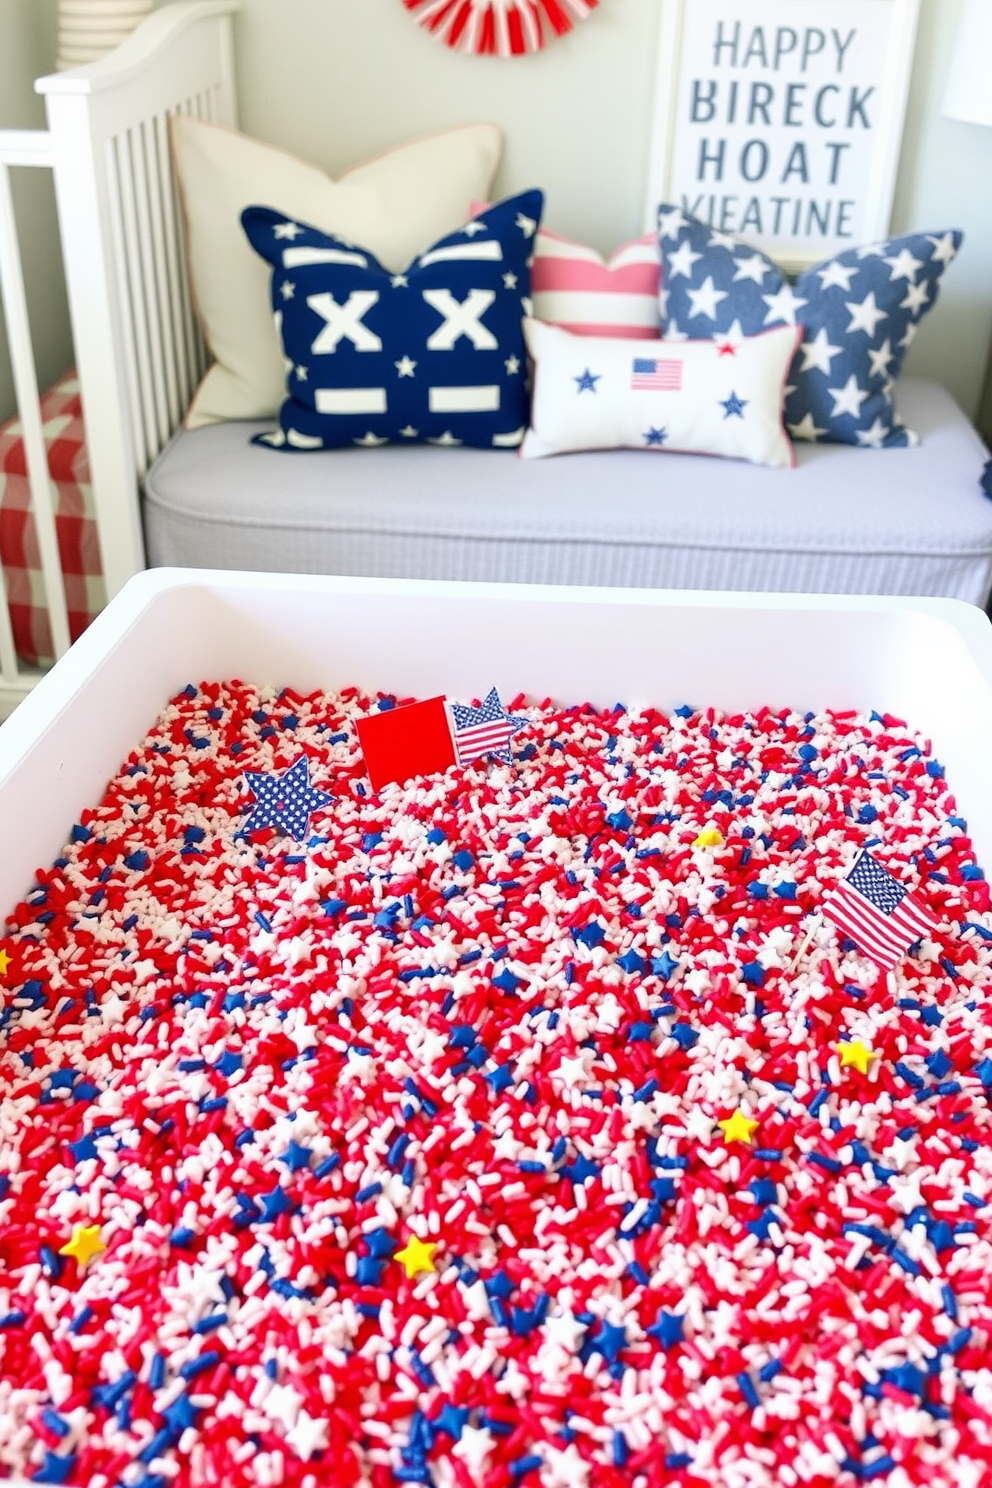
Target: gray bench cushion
(846, 520)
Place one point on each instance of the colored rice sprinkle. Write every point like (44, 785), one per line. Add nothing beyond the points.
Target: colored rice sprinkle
(484, 1136)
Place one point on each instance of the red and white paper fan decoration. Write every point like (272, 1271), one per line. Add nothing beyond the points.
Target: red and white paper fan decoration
(498, 28)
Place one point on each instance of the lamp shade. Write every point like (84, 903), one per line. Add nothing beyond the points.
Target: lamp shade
(968, 94)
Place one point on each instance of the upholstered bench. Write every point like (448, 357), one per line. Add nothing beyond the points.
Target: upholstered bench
(846, 520)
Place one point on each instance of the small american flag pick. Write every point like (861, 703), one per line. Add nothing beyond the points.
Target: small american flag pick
(484, 730)
(426, 738)
(877, 912)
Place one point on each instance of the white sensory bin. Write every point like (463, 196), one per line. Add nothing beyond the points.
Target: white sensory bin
(928, 661)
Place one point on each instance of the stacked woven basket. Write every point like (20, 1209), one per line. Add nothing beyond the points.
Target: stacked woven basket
(88, 29)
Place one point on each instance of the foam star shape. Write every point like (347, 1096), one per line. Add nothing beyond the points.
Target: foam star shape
(565, 1468)
(564, 1330)
(669, 1329)
(609, 1339)
(285, 801)
(308, 1436)
(84, 1245)
(738, 1128)
(855, 1055)
(296, 1157)
(474, 1447)
(573, 1071)
(4, 962)
(417, 1256)
(907, 1192)
(282, 1404)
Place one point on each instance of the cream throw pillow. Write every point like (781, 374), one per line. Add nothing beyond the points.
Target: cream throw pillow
(716, 397)
(394, 205)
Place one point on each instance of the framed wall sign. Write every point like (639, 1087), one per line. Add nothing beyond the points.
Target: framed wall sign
(781, 120)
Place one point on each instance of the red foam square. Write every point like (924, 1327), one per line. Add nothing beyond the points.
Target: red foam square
(403, 742)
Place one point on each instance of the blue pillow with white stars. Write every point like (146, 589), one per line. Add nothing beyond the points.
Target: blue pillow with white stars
(859, 312)
(434, 355)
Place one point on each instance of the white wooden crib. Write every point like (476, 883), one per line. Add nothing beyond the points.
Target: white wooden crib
(138, 349)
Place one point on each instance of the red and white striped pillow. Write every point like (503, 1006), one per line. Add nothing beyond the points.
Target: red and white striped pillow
(575, 288)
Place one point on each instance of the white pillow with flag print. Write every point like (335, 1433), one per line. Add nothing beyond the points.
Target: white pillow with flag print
(722, 396)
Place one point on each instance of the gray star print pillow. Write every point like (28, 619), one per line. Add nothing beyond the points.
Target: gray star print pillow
(859, 312)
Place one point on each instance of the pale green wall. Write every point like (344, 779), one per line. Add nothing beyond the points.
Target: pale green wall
(337, 80)
(27, 49)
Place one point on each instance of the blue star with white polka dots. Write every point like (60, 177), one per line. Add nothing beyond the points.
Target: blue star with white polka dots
(285, 801)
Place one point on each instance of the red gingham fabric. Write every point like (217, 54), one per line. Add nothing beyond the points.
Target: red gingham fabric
(75, 526)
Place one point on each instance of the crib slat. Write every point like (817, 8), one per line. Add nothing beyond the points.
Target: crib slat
(29, 405)
(166, 358)
(119, 267)
(147, 277)
(172, 248)
(134, 290)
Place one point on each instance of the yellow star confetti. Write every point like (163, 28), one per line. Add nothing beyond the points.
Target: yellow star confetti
(417, 1256)
(709, 837)
(855, 1055)
(738, 1128)
(84, 1245)
(4, 963)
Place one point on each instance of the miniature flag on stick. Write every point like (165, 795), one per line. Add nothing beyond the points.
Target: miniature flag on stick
(425, 738)
(877, 912)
